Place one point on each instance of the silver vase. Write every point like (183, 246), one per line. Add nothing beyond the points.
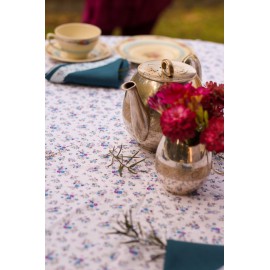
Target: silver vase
(182, 168)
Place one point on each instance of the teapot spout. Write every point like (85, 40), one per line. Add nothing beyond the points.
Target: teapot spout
(139, 115)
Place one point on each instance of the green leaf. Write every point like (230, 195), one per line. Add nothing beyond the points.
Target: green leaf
(205, 118)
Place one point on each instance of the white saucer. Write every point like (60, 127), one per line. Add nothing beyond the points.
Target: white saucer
(101, 51)
(139, 49)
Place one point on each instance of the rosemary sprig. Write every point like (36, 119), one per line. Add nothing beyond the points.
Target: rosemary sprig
(136, 234)
(124, 160)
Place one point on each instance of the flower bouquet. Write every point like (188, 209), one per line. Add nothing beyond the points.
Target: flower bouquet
(192, 122)
(192, 115)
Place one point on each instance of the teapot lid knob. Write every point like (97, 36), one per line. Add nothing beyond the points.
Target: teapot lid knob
(167, 71)
(167, 67)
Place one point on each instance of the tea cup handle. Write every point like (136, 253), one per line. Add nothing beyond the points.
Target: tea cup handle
(50, 37)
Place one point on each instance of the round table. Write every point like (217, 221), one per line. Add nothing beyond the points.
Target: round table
(85, 197)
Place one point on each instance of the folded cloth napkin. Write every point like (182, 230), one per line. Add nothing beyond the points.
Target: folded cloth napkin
(107, 73)
(193, 256)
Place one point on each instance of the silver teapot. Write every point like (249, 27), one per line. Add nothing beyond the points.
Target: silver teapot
(142, 122)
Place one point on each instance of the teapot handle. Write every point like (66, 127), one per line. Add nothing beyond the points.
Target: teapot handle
(193, 61)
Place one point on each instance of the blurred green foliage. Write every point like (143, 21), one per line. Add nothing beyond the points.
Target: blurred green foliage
(191, 19)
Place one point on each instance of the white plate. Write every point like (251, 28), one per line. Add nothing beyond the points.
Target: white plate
(139, 49)
(101, 51)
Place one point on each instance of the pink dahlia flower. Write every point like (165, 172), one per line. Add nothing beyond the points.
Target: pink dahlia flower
(171, 94)
(179, 123)
(214, 101)
(213, 135)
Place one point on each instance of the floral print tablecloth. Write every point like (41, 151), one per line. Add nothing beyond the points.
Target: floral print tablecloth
(85, 197)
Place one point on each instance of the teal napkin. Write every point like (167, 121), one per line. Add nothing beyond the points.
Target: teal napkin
(193, 256)
(107, 73)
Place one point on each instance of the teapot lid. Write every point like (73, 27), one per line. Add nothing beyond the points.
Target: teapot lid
(167, 71)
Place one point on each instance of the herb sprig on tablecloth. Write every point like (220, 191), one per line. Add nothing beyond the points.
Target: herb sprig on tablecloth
(124, 160)
(135, 234)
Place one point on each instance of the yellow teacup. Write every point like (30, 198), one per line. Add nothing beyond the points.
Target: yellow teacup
(75, 39)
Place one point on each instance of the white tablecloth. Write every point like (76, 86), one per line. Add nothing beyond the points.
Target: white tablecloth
(85, 197)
